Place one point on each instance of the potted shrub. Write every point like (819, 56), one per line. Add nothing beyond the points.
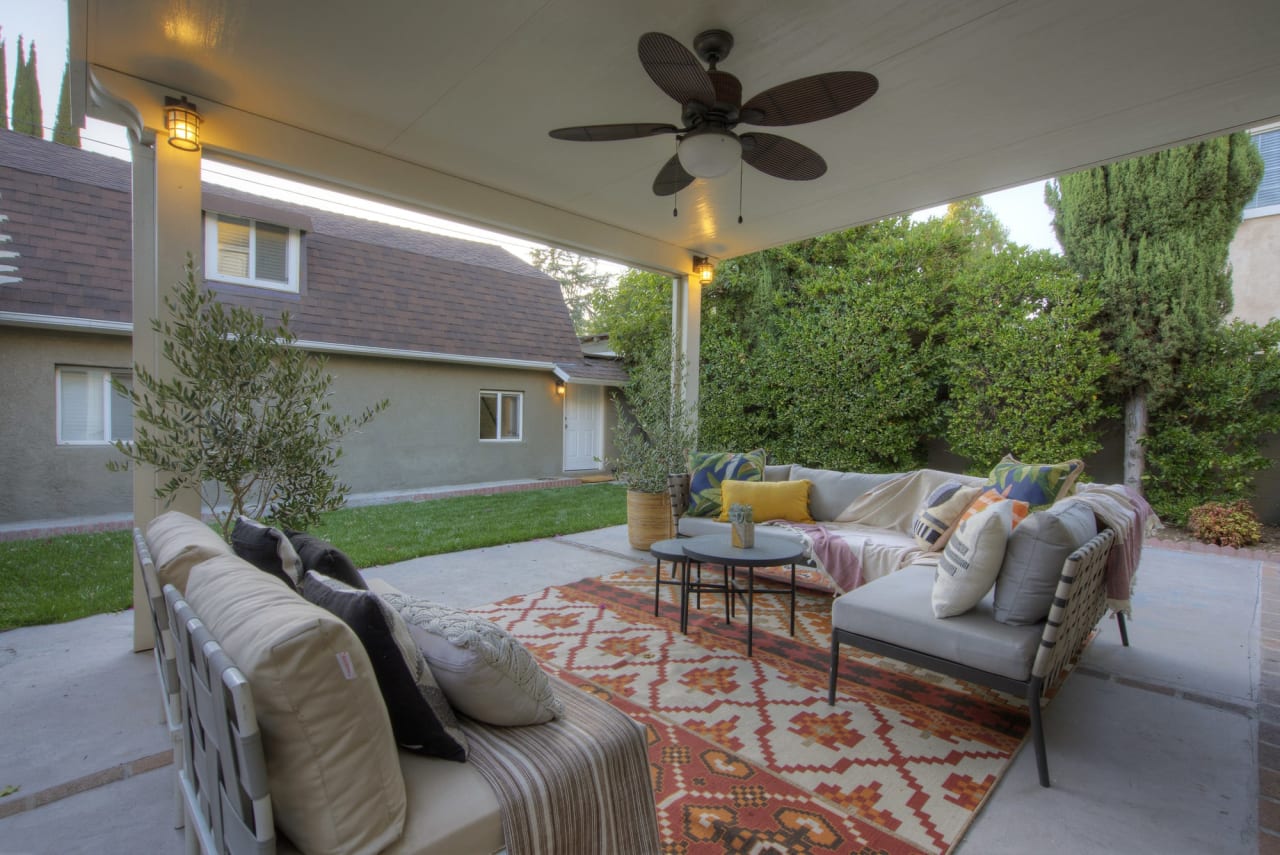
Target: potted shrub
(653, 438)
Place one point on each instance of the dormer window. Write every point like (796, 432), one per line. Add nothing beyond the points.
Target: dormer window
(247, 251)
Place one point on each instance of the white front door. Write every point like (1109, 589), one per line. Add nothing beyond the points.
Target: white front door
(583, 426)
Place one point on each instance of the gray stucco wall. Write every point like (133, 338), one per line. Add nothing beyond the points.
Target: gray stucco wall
(41, 479)
(1255, 269)
(429, 436)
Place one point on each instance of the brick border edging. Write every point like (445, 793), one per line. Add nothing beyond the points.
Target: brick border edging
(1268, 745)
(423, 496)
(84, 783)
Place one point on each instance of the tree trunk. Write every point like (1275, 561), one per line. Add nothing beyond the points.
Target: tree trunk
(1135, 431)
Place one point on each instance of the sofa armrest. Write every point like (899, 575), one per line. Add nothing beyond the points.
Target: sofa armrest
(1078, 604)
(678, 492)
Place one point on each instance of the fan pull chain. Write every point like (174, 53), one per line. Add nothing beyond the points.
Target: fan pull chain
(741, 168)
(675, 204)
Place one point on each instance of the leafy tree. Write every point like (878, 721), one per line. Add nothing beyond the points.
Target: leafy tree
(579, 278)
(1153, 233)
(654, 433)
(1206, 444)
(1024, 361)
(245, 411)
(63, 131)
(973, 218)
(28, 116)
(636, 313)
(4, 87)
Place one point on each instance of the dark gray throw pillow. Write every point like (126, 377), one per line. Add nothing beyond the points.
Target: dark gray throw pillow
(268, 549)
(326, 559)
(421, 717)
(1033, 560)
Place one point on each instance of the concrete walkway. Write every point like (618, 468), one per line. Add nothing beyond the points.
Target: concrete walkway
(1152, 748)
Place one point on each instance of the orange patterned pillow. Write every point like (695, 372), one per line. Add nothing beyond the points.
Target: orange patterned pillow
(989, 498)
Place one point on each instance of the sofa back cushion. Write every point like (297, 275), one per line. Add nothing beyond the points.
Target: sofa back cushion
(332, 764)
(781, 500)
(1034, 557)
(833, 491)
(179, 542)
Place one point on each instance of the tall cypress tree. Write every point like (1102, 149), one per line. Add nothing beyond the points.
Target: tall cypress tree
(63, 131)
(28, 118)
(1153, 233)
(4, 88)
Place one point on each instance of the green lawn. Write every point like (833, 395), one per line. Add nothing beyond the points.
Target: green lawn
(56, 579)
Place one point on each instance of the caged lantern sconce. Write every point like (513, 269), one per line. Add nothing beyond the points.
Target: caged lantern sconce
(704, 269)
(182, 121)
(559, 387)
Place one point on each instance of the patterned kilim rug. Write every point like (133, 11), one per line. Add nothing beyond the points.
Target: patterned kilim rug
(746, 755)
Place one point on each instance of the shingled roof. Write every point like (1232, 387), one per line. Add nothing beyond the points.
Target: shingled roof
(366, 285)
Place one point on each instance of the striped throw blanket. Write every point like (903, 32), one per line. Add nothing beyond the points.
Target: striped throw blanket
(577, 784)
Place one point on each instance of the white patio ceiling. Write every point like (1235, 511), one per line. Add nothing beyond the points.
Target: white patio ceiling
(446, 106)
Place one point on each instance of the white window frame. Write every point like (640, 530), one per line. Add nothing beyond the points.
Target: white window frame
(501, 396)
(293, 254)
(103, 376)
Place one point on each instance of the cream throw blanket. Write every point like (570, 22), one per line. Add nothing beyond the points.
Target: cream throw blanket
(1122, 510)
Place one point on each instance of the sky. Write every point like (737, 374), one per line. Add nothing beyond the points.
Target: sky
(1020, 209)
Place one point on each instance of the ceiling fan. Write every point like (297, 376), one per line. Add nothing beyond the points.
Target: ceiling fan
(712, 107)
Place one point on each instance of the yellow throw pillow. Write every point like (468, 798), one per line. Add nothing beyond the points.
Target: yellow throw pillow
(769, 500)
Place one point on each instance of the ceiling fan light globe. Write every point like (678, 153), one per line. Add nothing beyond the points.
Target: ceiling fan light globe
(709, 154)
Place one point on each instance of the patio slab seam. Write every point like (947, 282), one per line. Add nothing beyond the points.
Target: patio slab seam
(91, 781)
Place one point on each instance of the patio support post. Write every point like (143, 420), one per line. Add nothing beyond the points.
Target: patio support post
(686, 333)
(166, 226)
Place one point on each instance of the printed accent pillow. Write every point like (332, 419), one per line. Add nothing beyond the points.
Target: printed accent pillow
(1037, 484)
(268, 549)
(989, 497)
(326, 559)
(420, 715)
(769, 500)
(708, 470)
(483, 670)
(971, 560)
(940, 514)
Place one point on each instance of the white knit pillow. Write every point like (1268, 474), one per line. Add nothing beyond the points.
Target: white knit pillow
(971, 560)
(482, 669)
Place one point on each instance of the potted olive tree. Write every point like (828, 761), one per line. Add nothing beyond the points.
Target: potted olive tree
(652, 439)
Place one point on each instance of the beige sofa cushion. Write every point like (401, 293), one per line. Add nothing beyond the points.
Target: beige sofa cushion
(179, 542)
(331, 758)
(452, 809)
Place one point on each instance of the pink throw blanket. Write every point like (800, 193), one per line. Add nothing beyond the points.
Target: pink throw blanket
(830, 553)
(1125, 511)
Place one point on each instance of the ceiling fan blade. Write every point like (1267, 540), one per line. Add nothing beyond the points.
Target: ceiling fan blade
(782, 158)
(675, 69)
(603, 133)
(671, 178)
(810, 98)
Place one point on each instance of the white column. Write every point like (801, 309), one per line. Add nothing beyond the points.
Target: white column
(166, 226)
(686, 331)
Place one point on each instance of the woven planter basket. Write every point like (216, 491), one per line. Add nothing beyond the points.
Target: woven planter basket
(648, 518)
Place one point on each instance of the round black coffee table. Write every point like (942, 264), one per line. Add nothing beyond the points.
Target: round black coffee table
(768, 551)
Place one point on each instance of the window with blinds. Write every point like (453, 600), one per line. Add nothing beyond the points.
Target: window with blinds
(1267, 199)
(90, 410)
(501, 419)
(245, 251)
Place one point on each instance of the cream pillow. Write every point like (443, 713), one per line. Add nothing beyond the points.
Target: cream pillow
(482, 669)
(971, 560)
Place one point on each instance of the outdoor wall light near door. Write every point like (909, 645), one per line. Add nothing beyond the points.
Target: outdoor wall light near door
(559, 387)
(704, 269)
(183, 123)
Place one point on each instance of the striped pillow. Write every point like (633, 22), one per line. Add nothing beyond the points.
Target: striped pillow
(940, 514)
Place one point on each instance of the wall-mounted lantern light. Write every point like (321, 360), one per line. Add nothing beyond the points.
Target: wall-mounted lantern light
(559, 387)
(704, 269)
(182, 121)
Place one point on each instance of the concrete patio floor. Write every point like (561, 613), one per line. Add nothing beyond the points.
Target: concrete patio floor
(1153, 748)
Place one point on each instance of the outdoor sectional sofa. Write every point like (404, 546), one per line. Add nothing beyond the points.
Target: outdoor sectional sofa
(286, 723)
(1059, 569)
